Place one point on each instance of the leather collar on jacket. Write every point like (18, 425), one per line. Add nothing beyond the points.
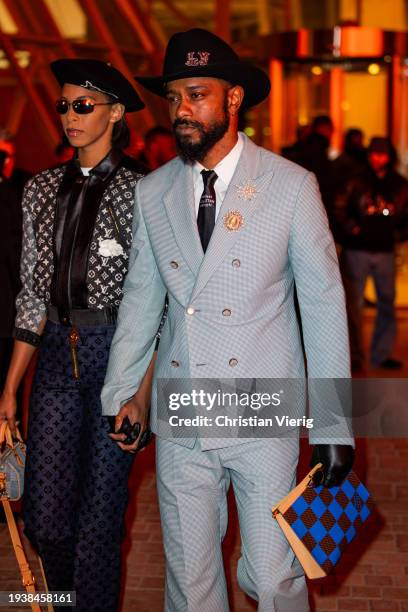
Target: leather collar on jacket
(78, 202)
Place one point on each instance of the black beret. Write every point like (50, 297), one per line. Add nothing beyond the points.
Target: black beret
(94, 74)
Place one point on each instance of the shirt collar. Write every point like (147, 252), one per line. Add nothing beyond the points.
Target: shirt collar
(104, 170)
(226, 167)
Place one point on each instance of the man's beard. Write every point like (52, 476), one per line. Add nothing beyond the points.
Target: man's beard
(208, 137)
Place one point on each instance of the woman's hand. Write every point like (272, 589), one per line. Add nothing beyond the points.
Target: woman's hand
(136, 411)
(8, 408)
(21, 357)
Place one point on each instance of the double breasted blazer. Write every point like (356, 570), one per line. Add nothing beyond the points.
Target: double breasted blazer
(231, 311)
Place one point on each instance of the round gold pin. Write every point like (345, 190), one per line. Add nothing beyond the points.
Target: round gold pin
(233, 220)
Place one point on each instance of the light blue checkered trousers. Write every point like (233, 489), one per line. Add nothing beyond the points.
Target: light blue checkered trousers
(193, 486)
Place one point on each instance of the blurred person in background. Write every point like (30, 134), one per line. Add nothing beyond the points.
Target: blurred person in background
(16, 177)
(160, 147)
(77, 233)
(354, 149)
(313, 154)
(322, 126)
(11, 190)
(8, 154)
(12, 182)
(371, 214)
(351, 162)
(295, 150)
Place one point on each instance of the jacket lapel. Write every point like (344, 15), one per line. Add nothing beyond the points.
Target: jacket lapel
(246, 192)
(179, 204)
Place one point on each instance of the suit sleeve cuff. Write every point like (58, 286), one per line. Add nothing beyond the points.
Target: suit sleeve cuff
(338, 441)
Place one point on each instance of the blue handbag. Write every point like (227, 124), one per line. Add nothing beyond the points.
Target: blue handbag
(320, 522)
(12, 462)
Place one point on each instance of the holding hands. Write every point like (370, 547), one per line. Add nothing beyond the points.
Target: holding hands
(130, 428)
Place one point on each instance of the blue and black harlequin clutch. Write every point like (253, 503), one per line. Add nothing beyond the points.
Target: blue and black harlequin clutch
(319, 522)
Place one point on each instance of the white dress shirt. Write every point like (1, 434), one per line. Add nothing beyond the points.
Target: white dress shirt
(224, 169)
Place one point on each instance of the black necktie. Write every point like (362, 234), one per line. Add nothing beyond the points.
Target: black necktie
(206, 208)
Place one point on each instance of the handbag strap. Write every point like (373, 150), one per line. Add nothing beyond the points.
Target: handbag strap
(287, 501)
(6, 435)
(50, 607)
(27, 576)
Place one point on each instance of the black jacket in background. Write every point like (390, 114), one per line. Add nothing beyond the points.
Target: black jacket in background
(11, 192)
(371, 213)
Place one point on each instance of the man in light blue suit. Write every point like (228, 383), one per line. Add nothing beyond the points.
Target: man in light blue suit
(226, 230)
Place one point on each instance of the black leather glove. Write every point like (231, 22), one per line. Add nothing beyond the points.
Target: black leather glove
(337, 460)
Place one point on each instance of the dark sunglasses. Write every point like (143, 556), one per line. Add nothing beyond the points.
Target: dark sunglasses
(83, 106)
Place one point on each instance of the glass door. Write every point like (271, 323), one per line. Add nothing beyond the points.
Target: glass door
(353, 93)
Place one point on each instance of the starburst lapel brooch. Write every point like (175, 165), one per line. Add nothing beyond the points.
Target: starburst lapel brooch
(247, 190)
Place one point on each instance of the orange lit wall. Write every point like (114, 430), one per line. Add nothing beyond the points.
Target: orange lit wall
(364, 103)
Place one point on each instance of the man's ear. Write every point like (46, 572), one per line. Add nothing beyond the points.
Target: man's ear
(235, 98)
(117, 112)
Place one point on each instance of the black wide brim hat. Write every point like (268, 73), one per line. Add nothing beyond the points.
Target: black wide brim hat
(99, 76)
(200, 53)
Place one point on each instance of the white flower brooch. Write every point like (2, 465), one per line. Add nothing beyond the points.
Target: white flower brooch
(109, 247)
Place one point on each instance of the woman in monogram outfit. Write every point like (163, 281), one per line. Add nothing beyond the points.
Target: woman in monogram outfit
(77, 235)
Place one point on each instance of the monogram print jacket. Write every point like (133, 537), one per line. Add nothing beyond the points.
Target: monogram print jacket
(104, 227)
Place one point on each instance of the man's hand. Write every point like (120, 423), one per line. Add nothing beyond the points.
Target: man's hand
(337, 460)
(136, 409)
(136, 412)
(8, 407)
